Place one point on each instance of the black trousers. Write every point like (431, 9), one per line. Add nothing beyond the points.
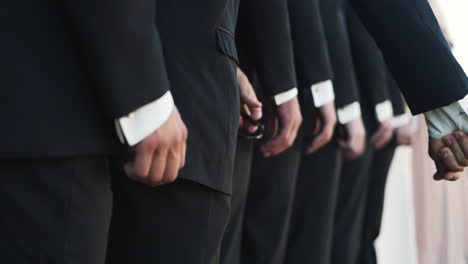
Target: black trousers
(360, 206)
(178, 223)
(269, 206)
(231, 247)
(351, 208)
(54, 210)
(311, 231)
(380, 167)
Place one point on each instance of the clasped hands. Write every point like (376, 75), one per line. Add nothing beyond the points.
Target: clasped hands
(450, 155)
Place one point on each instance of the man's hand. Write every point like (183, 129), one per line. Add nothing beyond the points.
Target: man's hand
(446, 162)
(323, 127)
(161, 155)
(355, 144)
(249, 102)
(458, 145)
(450, 155)
(383, 135)
(404, 135)
(282, 124)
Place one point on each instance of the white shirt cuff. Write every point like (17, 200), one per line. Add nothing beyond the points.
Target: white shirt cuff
(384, 111)
(139, 124)
(401, 120)
(286, 96)
(349, 113)
(322, 93)
(445, 120)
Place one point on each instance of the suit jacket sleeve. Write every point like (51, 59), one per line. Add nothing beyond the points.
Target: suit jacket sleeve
(370, 65)
(122, 50)
(398, 102)
(310, 45)
(263, 34)
(415, 50)
(335, 24)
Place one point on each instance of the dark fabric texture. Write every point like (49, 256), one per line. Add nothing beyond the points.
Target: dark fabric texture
(269, 206)
(416, 51)
(182, 222)
(399, 104)
(312, 222)
(369, 64)
(264, 41)
(350, 210)
(231, 247)
(311, 53)
(54, 210)
(335, 22)
(70, 68)
(374, 203)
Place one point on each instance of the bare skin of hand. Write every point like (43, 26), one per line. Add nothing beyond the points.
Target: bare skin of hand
(161, 155)
(325, 123)
(281, 126)
(450, 155)
(404, 135)
(383, 135)
(446, 163)
(249, 102)
(355, 144)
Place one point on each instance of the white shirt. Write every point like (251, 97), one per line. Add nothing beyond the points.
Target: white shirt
(445, 120)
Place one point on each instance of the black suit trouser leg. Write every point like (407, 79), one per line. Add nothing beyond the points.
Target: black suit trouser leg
(232, 240)
(311, 231)
(375, 202)
(54, 211)
(179, 223)
(354, 182)
(269, 206)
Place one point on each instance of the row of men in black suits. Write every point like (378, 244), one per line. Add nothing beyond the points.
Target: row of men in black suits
(121, 119)
(319, 201)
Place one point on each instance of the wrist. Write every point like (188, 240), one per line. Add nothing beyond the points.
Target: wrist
(349, 113)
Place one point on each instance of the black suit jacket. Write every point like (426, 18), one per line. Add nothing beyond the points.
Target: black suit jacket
(310, 45)
(415, 50)
(375, 80)
(263, 38)
(335, 23)
(69, 68)
(371, 69)
(398, 103)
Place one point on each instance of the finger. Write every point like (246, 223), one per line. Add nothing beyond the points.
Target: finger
(256, 113)
(447, 175)
(172, 166)
(375, 139)
(448, 160)
(321, 140)
(140, 167)
(452, 143)
(384, 138)
(356, 148)
(462, 139)
(158, 168)
(254, 107)
(279, 143)
(183, 154)
(439, 174)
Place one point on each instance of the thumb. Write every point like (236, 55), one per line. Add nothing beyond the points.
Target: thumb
(251, 101)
